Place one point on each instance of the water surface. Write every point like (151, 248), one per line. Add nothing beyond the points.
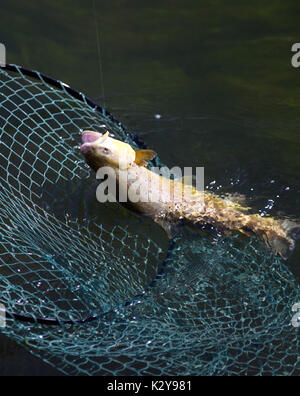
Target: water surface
(204, 83)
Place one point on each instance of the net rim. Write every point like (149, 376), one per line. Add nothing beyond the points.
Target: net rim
(58, 84)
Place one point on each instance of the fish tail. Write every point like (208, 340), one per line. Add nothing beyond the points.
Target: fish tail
(282, 246)
(283, 243)
(292, 229)
(280, 236)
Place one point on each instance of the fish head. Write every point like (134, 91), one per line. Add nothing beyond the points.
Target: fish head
(101, 150)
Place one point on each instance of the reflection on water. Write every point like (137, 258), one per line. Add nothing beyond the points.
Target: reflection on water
(217, 73)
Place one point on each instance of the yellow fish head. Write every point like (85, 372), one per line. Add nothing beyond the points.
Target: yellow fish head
(101, 150)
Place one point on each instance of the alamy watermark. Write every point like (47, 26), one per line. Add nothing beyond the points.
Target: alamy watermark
(160, 184)
(2, 316)
(295, 60)
(2, 55)
(296, 317)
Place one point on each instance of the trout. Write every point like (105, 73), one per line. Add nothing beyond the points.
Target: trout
(177, 202)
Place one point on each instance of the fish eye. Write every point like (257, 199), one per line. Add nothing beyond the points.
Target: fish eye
(105, 150)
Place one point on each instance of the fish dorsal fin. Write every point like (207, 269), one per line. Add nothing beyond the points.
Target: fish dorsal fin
(142, 156)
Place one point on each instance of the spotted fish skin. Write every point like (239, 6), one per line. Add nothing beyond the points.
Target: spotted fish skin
(175, 202)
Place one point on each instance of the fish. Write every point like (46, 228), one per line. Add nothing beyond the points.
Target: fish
(172, 203)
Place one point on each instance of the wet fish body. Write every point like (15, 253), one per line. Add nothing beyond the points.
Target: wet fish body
(175, 202)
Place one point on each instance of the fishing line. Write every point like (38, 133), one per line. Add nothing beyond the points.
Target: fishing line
(99, 50)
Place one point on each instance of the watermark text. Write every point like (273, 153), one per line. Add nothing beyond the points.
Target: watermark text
(296, 317)
(2, 55)
(2, 316)
(158, 185)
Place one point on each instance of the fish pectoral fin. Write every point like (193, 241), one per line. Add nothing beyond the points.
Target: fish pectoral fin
(142, 156)
(103, 137)
(141, 163)
(246, 232)
(170, 229)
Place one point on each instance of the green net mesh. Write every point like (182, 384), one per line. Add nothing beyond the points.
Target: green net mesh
(93, 291)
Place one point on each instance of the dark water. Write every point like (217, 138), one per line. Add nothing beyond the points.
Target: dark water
(204, 83)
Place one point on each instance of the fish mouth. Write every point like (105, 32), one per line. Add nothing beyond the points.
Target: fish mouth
(89, 138)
